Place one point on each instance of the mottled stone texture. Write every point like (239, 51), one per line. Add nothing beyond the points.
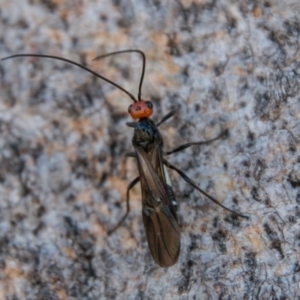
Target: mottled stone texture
(223, 65)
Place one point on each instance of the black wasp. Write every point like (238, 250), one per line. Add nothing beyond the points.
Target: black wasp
(159, 206)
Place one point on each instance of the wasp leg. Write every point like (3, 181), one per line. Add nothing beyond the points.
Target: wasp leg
(130, 186)
(131, 124)
(130, 154)
(166, 117)
(193, 184)
(187, 145)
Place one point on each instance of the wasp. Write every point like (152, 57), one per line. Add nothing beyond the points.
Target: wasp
(159, 206)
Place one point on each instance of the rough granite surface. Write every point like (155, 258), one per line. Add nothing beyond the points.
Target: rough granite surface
(231, 65)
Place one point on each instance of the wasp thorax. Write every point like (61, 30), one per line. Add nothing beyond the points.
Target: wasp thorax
(146, 135)
(140, 109)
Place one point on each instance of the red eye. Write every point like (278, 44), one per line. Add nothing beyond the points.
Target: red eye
(141, 109)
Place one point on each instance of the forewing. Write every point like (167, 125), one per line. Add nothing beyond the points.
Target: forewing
(163, 234)
(159, 213)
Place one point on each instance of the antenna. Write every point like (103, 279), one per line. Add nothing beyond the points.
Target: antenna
(78, 65)
(127, 51)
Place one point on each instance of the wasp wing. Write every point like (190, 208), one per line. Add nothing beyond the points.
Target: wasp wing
(159, 208)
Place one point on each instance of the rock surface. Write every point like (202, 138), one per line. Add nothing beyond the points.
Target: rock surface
(63, 178)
